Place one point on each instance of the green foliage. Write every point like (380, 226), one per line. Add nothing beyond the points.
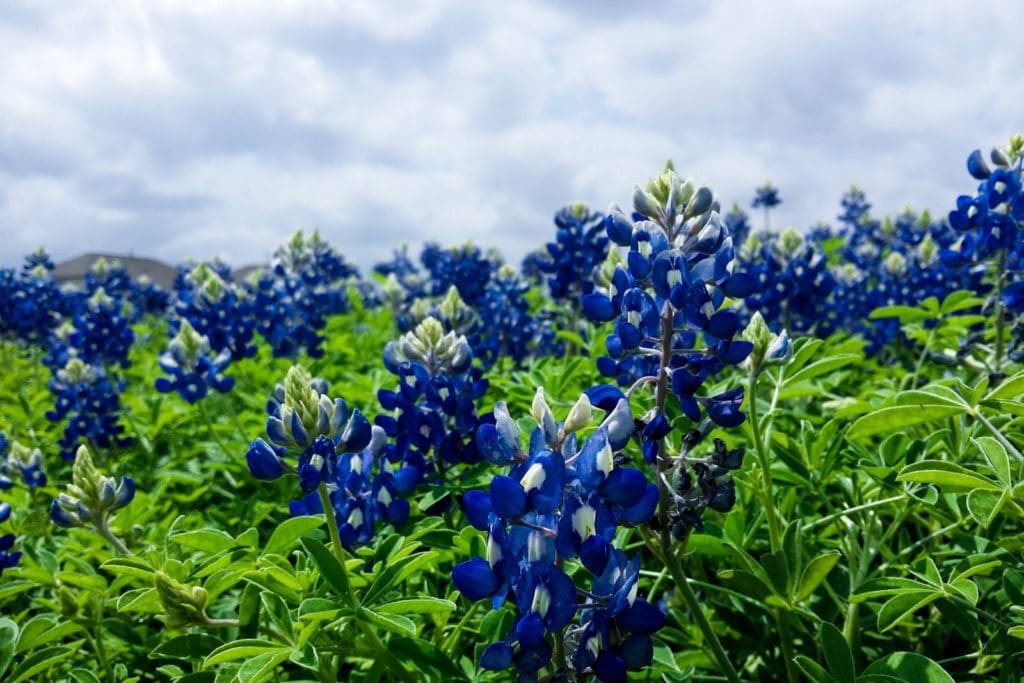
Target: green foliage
(897, 482)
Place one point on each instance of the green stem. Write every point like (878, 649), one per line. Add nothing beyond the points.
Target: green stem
(786, 642)
(1000, 323)
(683, 584)
(120, 547)
(332, 528)
(774, 529)
(385, 654)
(999, 436)
(849, 511)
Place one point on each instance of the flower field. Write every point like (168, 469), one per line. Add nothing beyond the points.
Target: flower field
(674, 444)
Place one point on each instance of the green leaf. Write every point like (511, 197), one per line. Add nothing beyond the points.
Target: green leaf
(424, 605)
(242, 649)
(262, 666)
(334, 574)
(906, 314)
(997, 457)
(192, 646)
(389, 622)
(130, 566)
(895, 418)
(950, 476)
(8, 639)
(279, 614)
(909, 666)
(427, 658)
(397, 572)
(39, 661)
(985, 506)
(837, 653)
(815, 572)
(902, 605)
(207, 540)
(814, 671)
(1010, 388)
(84, 676)
(821, 367)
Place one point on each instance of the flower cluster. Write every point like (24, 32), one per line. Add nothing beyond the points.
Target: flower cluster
(579, 249)
(337, 458)
(217, 309)
(91, 400)
(434, 412)
(562, 499)
(467, 268)
(305, 284)
(990, 220)
(766, 197)
(668, 300)
(91, 498)
(794, 281)
(20, 462)
(507, 327)
(16, 462)
(193, 368)
(306, 425)
(30, 301)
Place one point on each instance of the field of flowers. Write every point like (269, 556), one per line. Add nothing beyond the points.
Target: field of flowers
(671, 446)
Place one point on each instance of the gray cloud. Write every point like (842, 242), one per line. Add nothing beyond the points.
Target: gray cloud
(198, 129)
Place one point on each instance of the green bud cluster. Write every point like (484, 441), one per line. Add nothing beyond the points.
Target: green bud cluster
(183, 604)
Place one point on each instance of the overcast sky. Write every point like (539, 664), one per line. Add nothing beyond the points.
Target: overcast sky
(195, 129)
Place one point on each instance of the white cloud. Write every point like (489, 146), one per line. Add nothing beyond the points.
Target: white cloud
(216, 128)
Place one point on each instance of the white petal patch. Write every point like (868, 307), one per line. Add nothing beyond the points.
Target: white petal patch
(355, 518)
(534, 477)
(605, 459)
(541, 601)
(584, 521)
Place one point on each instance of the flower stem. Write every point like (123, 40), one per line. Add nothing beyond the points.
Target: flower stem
(672, 561)
(774, 528)
(1000, 323)
(675, 567)
(385, 654)
(120, 547)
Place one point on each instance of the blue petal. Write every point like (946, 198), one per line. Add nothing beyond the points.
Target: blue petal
(475, 579)
(507, 497)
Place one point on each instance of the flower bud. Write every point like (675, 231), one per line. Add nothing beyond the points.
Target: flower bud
(579, 415)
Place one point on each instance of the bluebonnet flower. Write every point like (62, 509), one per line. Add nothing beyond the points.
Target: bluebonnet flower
(794, 281)
(362, 490)
(405, 273)
(579, 249)
(507, 327)
(338, 458)
(31, 304)
(91, 402)
(91, 498)
(192, 366)
(766, 197)
(467, 268)
(679, 270)
(308, 426)
(306, 283)
(434, 404)
(217, 309)
(991, 218)
(560, 500)
(738, 223)
(102, 333)
(8, 556)
(21, 463)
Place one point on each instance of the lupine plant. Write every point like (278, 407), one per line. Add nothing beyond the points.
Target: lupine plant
(827, 488)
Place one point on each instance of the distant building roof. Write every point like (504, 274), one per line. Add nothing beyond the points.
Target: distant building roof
(74, 270)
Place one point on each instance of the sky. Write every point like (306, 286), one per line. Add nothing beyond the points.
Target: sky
(183, 130)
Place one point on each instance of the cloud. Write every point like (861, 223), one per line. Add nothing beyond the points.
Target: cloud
(182, 130)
